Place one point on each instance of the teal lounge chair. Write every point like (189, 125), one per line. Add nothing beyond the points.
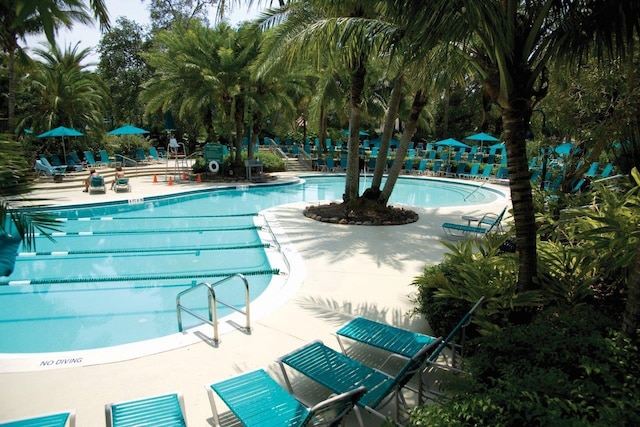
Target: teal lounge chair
(42, 169)
(62, 419)
(402, 343)
(475, 227)
(104, 157)
(422, 167)
(606, 171)
(96, 184)
(593, 170)
(340, 373)
(122, 184)
(474, 173)
(256, 399)
(59, 170)
(157, 411)
(88, 156)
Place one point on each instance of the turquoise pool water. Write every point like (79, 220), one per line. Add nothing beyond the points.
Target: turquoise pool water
(111, 277)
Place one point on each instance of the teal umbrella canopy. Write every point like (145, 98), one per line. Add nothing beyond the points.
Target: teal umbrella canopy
(450, 142)
(482, 137)
(128, 130)
(60, 131)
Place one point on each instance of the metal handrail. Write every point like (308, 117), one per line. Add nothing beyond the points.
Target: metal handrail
(213, 305)
(126, 158)
(306, 157)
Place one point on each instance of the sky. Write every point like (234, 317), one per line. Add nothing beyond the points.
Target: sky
(134, 10)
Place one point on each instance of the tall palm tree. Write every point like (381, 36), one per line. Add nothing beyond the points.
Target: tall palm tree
(511, 43)
(64, 92)
(19, 18)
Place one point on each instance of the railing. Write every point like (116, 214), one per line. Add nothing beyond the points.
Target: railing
(213, 305)
(306, 158)
(122, 160)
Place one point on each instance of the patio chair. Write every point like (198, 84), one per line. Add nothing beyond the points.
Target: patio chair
(399, 342)
(340, 373)
(457, 350)
(42, 169)
(402, 343)
(422, 167)
(57, 163)
(164, 410)
(122, 184)
(486, 172)
(88, 156)
(59, 170)
(61, 419)
(474, 173)
(593, 170)
(104, 157)
(256, 399)
(96, 185)
(475, 227)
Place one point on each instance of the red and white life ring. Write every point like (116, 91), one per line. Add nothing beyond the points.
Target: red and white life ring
(214, 166)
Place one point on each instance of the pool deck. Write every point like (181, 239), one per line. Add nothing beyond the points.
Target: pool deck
(350, 271)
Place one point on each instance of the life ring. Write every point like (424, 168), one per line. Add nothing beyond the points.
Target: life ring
(214, 166)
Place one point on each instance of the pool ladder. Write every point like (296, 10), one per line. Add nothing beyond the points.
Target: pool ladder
(213, 305)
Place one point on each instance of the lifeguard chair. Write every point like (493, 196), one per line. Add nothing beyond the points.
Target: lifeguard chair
(177, 152)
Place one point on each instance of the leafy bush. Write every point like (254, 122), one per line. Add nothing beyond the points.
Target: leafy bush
(563, 369)
(472, 268)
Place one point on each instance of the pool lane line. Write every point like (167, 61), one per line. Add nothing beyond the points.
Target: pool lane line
(137, 278)
(153, 231)
(129, 218)
(172, 249)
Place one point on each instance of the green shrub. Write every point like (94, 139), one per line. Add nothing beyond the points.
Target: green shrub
(563, 369)
(471, 269)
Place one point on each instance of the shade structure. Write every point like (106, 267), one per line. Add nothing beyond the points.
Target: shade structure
(128, 130)
(450, 142)
(482, 137)
(60, 131)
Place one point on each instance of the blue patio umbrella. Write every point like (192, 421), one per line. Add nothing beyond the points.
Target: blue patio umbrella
(60, 131)
(128, 130)
(482, 137)
(450, 142)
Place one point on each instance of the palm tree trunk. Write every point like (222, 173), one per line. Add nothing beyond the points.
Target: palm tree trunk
(239, 122)
(523, 211)
(11, 101)
(389, 121)
(322, 127)
(352, 182)
(632, 308)
(419, 101)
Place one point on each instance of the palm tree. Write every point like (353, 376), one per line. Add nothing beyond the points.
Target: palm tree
(63, 92)
(19, 18)
(511, 43)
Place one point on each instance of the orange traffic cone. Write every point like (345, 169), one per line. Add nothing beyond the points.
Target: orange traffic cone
(155, 178)
(170, 181)
(199, 179)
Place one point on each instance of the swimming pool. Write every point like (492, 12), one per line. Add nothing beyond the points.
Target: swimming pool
(112, 278)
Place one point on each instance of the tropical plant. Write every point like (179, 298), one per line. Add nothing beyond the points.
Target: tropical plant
(64, 93)
(19, 18)
(512, 43)
(18, 224)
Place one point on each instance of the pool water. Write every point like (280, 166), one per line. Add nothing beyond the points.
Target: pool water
(111, 277)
